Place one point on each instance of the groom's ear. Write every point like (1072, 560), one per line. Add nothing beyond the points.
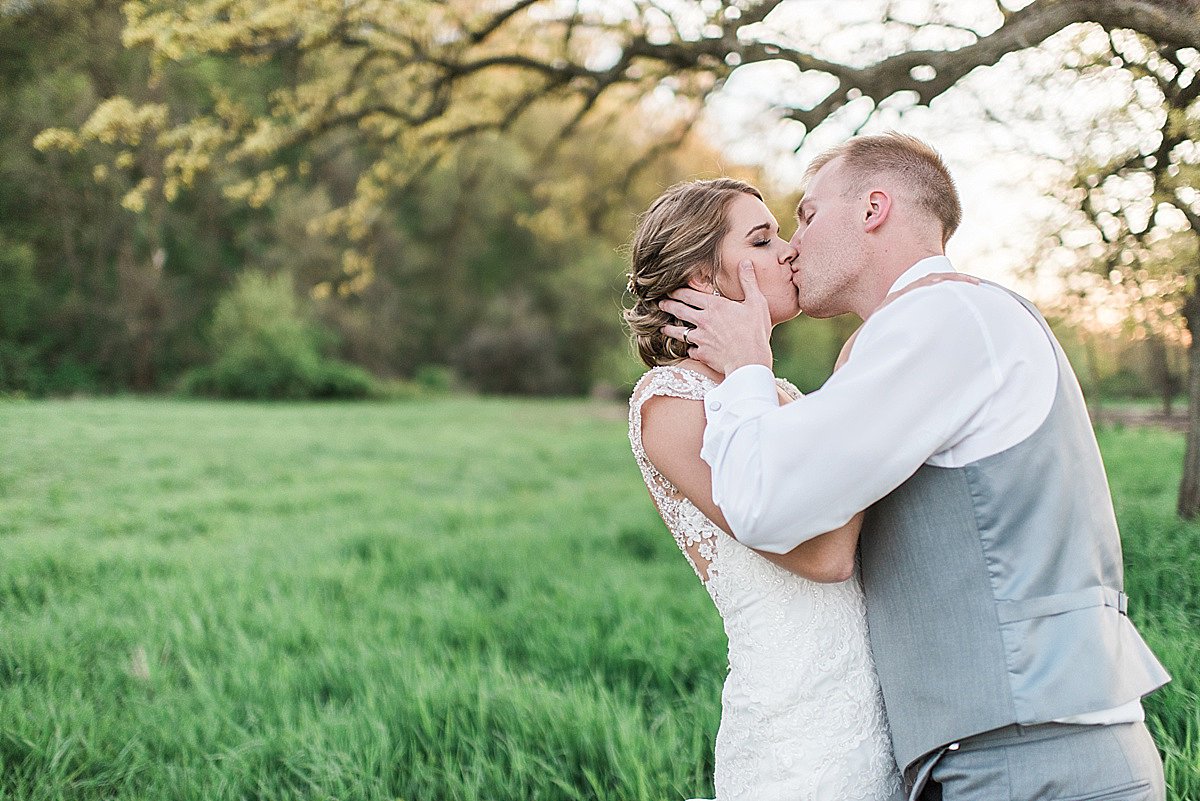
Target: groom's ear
(879, 206)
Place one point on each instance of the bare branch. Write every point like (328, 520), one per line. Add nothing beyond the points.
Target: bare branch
(925, 73)
(664, 145)
(497, 22)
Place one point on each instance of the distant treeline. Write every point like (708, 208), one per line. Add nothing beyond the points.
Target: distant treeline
(499, 269)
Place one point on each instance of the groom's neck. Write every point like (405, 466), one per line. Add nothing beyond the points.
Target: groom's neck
(885, 269)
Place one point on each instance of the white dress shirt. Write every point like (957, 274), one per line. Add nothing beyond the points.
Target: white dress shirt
(944, 375)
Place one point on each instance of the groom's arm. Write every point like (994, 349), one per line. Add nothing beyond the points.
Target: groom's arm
(921, 369)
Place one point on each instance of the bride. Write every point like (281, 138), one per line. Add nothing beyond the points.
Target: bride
(801, 712)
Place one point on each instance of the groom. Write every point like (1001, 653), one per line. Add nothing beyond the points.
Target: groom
(990, 556)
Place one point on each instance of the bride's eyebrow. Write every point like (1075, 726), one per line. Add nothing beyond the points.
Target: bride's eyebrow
(767, 226)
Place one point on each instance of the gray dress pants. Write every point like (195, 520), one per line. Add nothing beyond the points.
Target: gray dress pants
(1050, 762)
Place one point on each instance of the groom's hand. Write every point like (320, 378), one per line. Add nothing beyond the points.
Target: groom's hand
(727, 334)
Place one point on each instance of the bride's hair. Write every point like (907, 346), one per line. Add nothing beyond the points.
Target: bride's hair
(677, 238)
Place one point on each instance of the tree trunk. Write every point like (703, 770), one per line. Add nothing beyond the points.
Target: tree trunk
(1159, 368)
(1189, 487)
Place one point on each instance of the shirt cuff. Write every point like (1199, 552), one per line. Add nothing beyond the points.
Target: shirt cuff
(746, 388)
(745, 393)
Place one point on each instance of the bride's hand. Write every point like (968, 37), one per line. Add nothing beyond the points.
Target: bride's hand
(727, 334)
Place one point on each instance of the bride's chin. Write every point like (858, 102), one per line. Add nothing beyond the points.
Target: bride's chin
(790, 314)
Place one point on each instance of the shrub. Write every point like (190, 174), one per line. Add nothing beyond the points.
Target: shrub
(434, 378)
(512, 351)
(266, 347)
(1124, 383)
(17, 289)
(343, 380)
(15, 367)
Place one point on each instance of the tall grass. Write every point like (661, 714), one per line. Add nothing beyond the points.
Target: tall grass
(1162, 578)
(460, 599)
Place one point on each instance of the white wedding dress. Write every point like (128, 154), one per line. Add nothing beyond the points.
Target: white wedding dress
(801, 712)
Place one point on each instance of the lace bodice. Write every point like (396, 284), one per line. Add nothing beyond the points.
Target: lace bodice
(802, 714)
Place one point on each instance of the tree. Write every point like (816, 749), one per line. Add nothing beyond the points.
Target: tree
(113, 302)
(106, 284)
(416, 80)
(424, 75)
(1134, 236)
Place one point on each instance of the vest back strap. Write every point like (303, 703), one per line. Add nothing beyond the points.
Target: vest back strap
(1046, 605)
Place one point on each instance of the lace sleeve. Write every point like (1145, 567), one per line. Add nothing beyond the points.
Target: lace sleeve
(694, 533)
(789, 388)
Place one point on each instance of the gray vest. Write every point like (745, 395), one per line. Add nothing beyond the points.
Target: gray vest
(994, 590)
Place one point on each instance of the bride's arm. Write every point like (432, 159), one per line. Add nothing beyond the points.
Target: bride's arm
(672, 433)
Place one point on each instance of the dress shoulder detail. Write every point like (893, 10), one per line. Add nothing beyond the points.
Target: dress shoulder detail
(694, 533)
(801, 710)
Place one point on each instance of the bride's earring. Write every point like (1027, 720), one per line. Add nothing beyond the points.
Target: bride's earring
(717, 293)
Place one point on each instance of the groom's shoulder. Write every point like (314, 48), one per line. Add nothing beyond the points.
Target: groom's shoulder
(951, 289)
(951, 301)
(933, 294)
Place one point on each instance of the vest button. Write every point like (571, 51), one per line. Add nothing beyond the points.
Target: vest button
(714, 406)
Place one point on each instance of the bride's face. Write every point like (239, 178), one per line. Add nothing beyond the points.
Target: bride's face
(754, 234)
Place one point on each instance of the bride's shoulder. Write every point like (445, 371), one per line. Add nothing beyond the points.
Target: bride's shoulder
(675, 380)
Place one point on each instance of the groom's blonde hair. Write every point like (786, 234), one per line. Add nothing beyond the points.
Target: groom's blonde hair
(916, 164)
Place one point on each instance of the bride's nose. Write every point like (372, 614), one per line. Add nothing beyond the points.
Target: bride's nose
(788, 254)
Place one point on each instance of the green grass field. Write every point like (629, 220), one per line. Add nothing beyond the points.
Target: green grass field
(451, 599)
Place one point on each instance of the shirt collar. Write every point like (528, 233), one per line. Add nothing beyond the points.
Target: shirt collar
(926, 266)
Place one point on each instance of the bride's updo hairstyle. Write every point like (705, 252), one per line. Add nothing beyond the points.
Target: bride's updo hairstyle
(677, 238)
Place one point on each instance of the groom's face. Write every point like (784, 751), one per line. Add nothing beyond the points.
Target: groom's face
(829, 254)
